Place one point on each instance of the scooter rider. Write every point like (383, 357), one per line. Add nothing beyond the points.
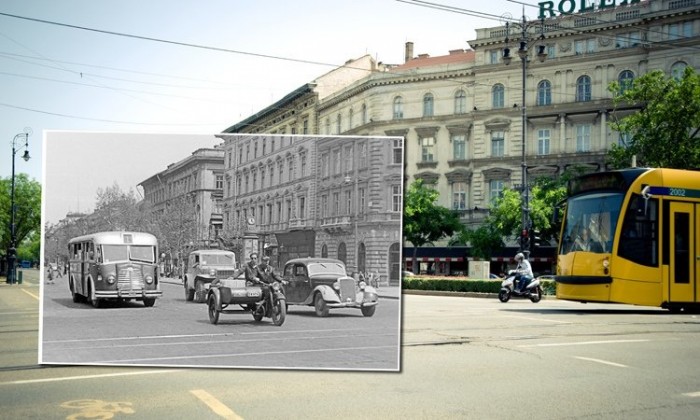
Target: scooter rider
(524, 269)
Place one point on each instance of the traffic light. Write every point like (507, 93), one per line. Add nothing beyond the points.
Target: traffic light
(536, 238)
(525, 240)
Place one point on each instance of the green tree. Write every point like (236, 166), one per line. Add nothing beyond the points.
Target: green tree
(485, 241)
(30, 247)
(115, 210)
(664, 133)
(424, 221)
(27, 205)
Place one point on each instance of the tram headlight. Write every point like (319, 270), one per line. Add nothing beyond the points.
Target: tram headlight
(149, 279)
(606, 265)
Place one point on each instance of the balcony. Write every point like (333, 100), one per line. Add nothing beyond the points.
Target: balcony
(298, 224)
(336, 224)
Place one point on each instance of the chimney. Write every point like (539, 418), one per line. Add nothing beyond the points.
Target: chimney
(409, 52)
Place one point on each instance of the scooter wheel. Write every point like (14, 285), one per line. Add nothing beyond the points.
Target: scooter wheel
(504, 295)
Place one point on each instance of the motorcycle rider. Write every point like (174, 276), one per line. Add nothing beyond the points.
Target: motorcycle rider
(251, 269)
(524, 269)
(266, 273)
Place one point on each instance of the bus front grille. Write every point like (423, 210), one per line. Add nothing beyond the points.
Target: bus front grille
(129, 278)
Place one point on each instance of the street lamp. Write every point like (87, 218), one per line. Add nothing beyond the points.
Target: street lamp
(12, 252)
(526, 38)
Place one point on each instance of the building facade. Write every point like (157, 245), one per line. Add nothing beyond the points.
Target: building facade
(299, 196)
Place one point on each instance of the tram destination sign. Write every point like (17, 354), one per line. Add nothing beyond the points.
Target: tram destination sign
(570, 7)
(673, 192)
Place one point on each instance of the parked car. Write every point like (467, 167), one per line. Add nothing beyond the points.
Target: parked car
(407, 273)
(203, 267)
(324, 284)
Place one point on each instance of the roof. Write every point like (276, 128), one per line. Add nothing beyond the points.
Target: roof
(424, 60)
(315, 260)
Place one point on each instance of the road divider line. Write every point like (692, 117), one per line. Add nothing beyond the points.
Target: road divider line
(539, 319)
(83, 377)
(692, 394)
(583, 343)
(216, 406)
(30, 294)
(604, 362)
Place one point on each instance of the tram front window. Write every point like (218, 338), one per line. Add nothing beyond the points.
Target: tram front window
(590, 222)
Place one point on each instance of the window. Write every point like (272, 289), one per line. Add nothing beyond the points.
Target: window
(396, 198)
(639, 241)
(585, 46)
(364, 114)
(348, 202)
(543, 137)
(677, 70)
(497, 143)
(247, 185)
(583, 138)
(280, 170)
(350, 117)
(247, 152)
(338, 122)
(262, 177)
(428, 105)
(624, 140)
(544, 93)
(305, 129)
(459, 145)
(343, 253)
(427, 145)
(625, 80)
(680, 30)
(238, 185)
(363, 155)
(583, 89)
(303, 165)
(397, 151)
(398, 108)
(460, 102)
(498, 96)
(289, 209)
(494, 56)
(290, 168)
(255, 179)
(219, 181)
(328, 126)
(325, 165)
(628, 39)
(302, 207)
(336, 204)
(279, 212)
(336, 162)
(495, 189)
(349, 158)
(272, 174)
(324, 206)
(459, 196)
(362, 198)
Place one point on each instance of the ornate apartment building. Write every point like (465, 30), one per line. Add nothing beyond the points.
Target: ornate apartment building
(323, 196)
(461, 115)
(198, 180)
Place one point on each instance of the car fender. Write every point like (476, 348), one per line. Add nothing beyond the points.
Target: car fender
(217, 294)
(327, 293)
(203, 278)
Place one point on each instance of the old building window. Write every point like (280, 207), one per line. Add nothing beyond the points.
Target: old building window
(583, 138)
(398, 108)
(677, 69)
(428, 105)
(364, 114)
(498, 96)
(543, 137)
(583, 89)
(495, 189)
(460, 102)
(338, 122)
(459, 145)
(219, 181)
(397, 149)
(427, 145)
(396, 198)
(459, 195)
(498, 143)
(625, 80)
(544, 93)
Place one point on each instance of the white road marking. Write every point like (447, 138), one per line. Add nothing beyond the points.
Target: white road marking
(207, 356)
(539, 319)
(78, 378)
(31, 294)
(583, 343)
(692, 394)
(216, 406)
(605, 362)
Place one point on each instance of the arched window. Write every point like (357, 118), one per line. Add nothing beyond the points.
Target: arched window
(460, 102)
(428, 105)
(342, 253)
(677, 69)
(625, 80)
(498, 93)
(364, 114)
(351, 114)
(398, 108)
(362, 257)
(583, 89)
(324, 251)
(338, 121)
(544, 93)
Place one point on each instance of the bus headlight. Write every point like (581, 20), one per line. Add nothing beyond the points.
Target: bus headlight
(149, 279)
(110, 279)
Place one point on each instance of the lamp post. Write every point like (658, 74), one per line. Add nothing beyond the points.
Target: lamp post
(12, 252)
(525, 38)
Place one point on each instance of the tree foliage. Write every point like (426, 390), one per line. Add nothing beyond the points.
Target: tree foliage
(485, 241)
(664, 133)
(27, 205)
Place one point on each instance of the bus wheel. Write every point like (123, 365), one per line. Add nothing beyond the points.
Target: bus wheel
(148, 302)
(96, 303)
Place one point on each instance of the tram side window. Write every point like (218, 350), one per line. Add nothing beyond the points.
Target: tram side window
(639, 238)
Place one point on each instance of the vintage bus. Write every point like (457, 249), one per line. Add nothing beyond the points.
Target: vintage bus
(118, 266)
(632, 236)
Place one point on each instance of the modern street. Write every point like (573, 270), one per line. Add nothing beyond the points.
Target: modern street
(178, 333)
(461, 358)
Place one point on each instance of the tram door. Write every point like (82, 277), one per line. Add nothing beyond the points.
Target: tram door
(683, 238)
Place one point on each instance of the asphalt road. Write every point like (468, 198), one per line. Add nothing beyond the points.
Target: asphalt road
(461, 358)
(178, 333)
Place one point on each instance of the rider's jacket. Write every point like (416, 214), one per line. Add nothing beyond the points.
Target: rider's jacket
(267, 274)
(525, 268)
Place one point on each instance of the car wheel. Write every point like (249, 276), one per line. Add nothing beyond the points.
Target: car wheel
(213, 312)
(368, 310)
(320, 306)
(189, 293)
(149, 302)
(504, 295)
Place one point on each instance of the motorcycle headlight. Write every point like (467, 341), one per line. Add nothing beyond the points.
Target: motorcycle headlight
(362, 285)
(110, 279)
(149, 279)
(276, 286)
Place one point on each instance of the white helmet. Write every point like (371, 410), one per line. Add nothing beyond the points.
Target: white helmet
(519, 256)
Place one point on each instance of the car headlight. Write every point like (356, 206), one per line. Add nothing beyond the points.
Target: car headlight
(212, 272)
(336, 286)
(362, 285)
(110, 279)
(149, 279)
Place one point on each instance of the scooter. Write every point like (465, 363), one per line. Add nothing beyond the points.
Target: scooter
(533, 290)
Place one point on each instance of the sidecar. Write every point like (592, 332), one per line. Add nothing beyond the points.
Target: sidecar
(232, 295)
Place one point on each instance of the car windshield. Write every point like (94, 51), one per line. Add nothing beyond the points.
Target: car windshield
(590, 224)
(326, 268)
(217, 259)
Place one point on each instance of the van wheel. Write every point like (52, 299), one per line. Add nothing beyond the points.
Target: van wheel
(189, 293)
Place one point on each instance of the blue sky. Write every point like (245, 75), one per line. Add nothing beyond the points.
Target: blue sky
(59, 78)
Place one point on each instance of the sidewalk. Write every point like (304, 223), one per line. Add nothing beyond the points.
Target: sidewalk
(386, 292)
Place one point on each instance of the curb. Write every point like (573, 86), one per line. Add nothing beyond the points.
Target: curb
(458, 294)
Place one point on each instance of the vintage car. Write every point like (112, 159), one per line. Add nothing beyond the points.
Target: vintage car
(324, 284)
(203, 267)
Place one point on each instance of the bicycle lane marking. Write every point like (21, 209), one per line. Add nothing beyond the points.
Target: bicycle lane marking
(215, 405)
(78, 378)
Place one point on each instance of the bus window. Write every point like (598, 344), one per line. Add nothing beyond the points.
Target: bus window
(638, 240)
(142, 253)
(114, 253)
